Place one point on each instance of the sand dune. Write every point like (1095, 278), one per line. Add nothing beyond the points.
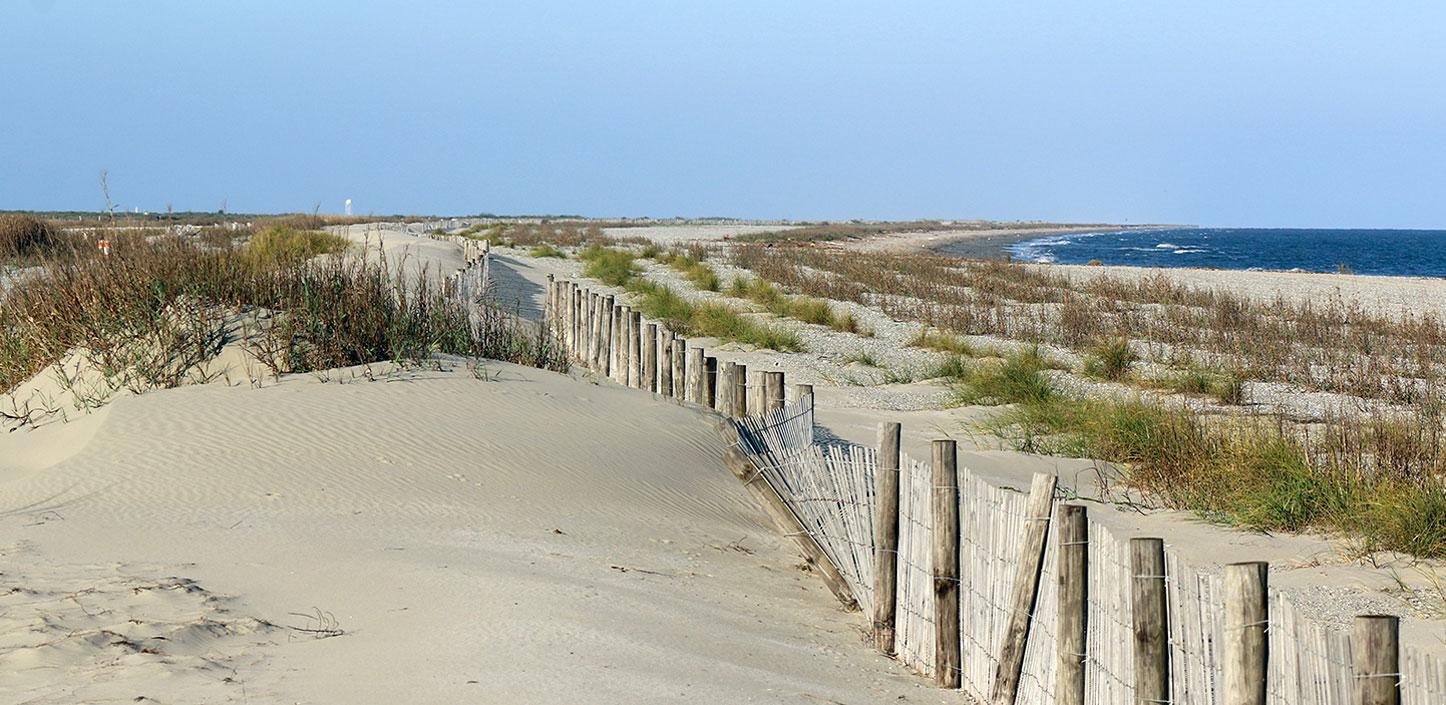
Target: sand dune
(522, 537)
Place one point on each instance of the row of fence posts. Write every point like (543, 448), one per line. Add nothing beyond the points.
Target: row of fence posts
(1375, 646)
(612, 339)
(474, 252)
(604, 335)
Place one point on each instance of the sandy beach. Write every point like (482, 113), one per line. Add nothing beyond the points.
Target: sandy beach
(496, 533)
(519, 537)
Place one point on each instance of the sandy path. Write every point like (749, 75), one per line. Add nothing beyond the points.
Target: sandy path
(532, 538)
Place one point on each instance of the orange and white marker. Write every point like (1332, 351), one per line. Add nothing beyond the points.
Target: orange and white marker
(104, 247)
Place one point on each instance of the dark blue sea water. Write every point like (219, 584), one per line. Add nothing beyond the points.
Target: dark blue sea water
(1386, 252)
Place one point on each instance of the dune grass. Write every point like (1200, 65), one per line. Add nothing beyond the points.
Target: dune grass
(1109, 359)
(1372, 479)
(26, 236)
(690, 265)
(545, 250)
(153, 312)
(610, 266)
(709, 318)
(802, 308)
(285, 244)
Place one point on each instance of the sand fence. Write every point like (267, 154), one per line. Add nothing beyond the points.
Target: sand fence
(1013, 596)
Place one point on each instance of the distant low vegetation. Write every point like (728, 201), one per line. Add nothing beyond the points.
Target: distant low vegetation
(656, 301)
(159, 307)
(1371, 467)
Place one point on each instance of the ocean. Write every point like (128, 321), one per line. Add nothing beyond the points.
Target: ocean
(1416, 253)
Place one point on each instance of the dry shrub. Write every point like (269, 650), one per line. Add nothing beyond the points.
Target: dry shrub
(26, 236)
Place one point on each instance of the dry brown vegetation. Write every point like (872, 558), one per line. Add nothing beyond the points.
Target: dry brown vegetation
(160, 306)
(1371, 466)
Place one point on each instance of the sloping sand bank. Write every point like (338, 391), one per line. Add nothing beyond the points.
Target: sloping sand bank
(415, 537)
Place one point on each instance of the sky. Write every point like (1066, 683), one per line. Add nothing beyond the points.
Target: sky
(1280, 114)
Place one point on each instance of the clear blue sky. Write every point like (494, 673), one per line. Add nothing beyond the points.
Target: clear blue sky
(1220, 113)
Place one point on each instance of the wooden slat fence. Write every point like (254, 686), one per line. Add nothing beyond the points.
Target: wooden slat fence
(828, 487)
(823, 495)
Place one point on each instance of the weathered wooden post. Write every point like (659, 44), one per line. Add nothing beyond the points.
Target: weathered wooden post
(740, 390)
(680, 368)
(549, 306)
(575, 319)
(1027, 571)
(591, 352)
(650, 357)
(756, 396)
(1151, 621)
(1246, 648)
(725, 388)
(635, 349)
(802, 390)
(773, 388)
(1376, 658)
(710, 382)
(945, 556)
(610, 334)
(625, 317)
(886, 536)
(665, 362)
(697, 378)
(1070, 639)
(605, 336)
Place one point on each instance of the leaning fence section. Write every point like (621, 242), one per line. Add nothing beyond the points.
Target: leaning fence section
(1011, 644)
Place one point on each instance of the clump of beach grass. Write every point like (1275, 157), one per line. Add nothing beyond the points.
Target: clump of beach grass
(610, 266)
(1109, 359)
(284, 244)
(709, 318)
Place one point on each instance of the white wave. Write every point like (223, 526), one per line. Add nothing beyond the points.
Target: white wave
(1167, 246)
(1189, 251)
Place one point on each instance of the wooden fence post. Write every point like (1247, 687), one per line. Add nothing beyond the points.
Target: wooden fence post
(1151, 621)
(1246, 648)
(549, 306)
(665, 362)
(946, 564)
(740, 390)
(571, 341)
(606, 329)
(1070, 640)
(1376, 658)
(635, 349)
(773, 390)
(886, 536)
(592, 309)
(697, 381)
(624, 361)
(1026, 589)
(680, 368)
(579, 302)
(802, 390)
(756, 404)
(650, 357)
(710, 382)
(725, 388)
